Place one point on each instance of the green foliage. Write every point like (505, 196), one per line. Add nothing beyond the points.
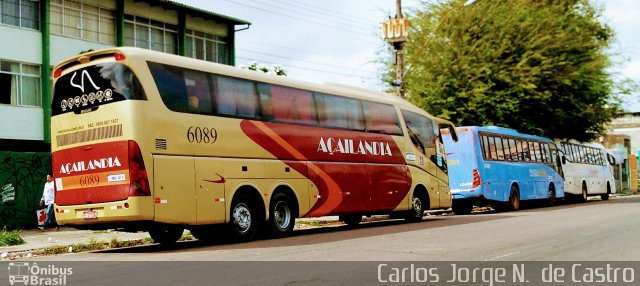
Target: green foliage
(538, 66)
(10, 237)
(187, 236)
(277, 70)
(116, 243)
(92, 245)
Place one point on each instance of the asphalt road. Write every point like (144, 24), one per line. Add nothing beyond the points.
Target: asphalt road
(495, 248)
(596, 230)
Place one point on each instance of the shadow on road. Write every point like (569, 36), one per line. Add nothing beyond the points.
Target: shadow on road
(318, 235)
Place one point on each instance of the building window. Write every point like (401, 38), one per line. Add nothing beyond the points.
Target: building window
(83, 21)
(21, 13)
(208, 47)
(19, 84)
(150, 34)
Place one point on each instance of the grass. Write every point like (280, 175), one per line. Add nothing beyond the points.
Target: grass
(94, 245)
(313, 223)
(10, 237)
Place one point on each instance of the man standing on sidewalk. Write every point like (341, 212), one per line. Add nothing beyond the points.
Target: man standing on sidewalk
(48, 197)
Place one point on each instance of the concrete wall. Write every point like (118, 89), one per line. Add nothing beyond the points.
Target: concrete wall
(155, 13)
(17, 122)
(20, 45)
(632, 132)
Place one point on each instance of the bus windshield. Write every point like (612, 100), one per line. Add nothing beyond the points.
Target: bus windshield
(86, 89)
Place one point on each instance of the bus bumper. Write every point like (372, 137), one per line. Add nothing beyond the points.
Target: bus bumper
(466, 194)
(112, 213)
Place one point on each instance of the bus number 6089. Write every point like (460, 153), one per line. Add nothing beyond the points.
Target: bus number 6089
(202, 135)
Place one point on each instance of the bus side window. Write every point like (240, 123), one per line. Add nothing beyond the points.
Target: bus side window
(499, 149)
(171, 86)
(493, 151)
(235, 97)
(485, 147)
(381, 118)
(525, 151)
(198, 92)
(264, 95)
(339, 112)
(547, 153)
(293, 105)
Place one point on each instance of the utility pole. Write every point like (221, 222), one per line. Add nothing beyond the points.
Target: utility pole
(395, 32)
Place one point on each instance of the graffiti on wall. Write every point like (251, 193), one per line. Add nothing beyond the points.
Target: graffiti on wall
(22, 177)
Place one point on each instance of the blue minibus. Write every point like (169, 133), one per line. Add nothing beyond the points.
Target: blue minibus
(498, 166)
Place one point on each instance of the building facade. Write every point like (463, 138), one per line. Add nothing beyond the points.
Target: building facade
(628, 124)
(619, 146)
(36, 35)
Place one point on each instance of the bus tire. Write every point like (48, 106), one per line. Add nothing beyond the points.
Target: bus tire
(166, 234)
(418, 203)
(244, 220)
(351, 220)
(282, 217)
(514, 198)
(584, 196)
(605, 197)
(461, 207)
(552, 195)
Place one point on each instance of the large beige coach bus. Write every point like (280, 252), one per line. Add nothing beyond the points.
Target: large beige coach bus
(143, 140)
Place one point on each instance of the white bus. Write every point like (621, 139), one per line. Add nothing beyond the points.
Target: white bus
(588, 170)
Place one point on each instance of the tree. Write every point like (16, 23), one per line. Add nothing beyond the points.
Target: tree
(538, 66)
(277, 70)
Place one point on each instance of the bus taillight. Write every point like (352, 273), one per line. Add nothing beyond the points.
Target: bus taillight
(477, 181)
(137, 173)
(119, 57)
(57, 73)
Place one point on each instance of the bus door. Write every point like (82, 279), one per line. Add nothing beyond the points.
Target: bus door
(424, 134)
(174, 194)
(210, 191)
(440, 159)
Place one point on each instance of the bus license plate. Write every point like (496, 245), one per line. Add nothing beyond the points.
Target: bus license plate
(89, 215)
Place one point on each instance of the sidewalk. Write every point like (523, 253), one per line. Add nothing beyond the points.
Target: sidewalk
(37, 239)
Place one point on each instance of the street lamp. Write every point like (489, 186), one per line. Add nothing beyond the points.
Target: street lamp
(395, 32)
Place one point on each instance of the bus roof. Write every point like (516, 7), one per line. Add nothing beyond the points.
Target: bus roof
(337, 89)
(500, 130)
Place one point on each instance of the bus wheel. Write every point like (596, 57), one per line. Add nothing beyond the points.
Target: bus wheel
(282, 218)
(351, 220)
(584, 196)
(552, 195)
(166, 234)
(243, 219)
(461, 207)
(514, 198)
(605, 197)
(417, 209)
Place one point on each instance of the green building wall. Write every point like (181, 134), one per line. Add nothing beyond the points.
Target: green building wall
(22, 178)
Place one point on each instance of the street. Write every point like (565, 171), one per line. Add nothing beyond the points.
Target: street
(595, 231)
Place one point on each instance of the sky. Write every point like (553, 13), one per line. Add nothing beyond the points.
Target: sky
(340, 41)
